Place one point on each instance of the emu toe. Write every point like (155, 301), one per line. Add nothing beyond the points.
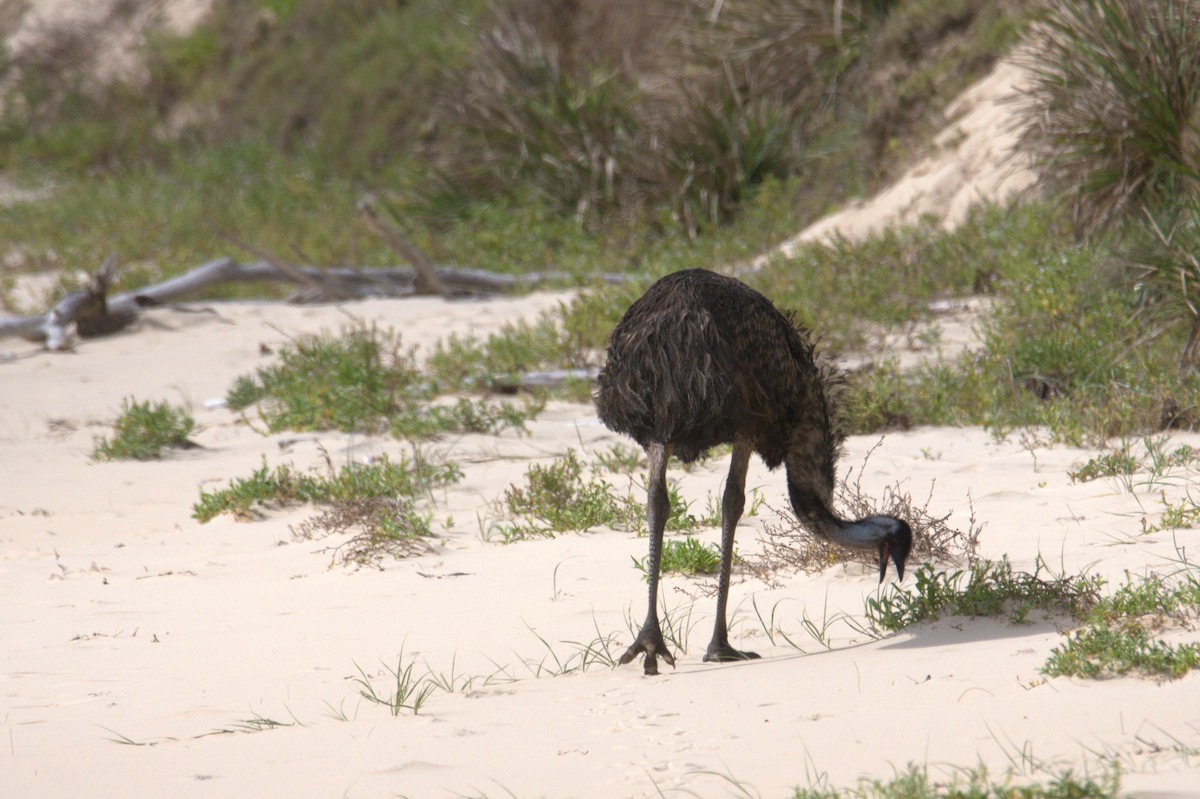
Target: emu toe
(722, 652)
(650, 642)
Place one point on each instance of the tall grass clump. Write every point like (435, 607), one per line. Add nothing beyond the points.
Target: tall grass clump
(1114, 98)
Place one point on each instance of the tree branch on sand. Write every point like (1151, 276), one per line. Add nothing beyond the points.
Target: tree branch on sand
(94, 313)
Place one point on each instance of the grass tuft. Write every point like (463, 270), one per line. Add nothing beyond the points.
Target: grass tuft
(364, 381)
(687, 556)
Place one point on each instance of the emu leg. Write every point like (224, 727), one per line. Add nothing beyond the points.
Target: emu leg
(650, 639)
(732, 505)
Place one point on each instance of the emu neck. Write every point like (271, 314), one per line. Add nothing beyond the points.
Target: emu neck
(815, 514)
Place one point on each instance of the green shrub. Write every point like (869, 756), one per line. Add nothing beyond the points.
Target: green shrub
(144, 431)
(1120, 633)
(383, 479)
(556, 499)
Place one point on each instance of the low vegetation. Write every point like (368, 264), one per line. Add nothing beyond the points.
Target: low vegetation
(916, 783)
(557, 498)
(686, 556)
(363, 381)
(985, 588)
(145, 431)
(376, 501)
(1122, 633)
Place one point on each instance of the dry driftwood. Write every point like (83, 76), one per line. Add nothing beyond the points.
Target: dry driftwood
(94, 313)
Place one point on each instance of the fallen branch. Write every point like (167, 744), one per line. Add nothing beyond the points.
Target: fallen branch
(100, 315)
(427, 280)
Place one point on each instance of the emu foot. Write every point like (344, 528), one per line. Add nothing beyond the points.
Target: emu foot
(722, 652)
(650, 642)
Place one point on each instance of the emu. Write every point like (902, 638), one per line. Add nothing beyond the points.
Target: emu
(700, 360)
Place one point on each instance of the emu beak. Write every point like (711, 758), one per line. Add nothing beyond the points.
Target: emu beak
(883, 559)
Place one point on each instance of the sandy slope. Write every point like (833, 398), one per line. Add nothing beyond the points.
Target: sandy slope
(125, 619)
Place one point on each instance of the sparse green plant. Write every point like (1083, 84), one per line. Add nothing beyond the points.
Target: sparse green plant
(1119, 463)
(1122, 463)
(712, 507)
(987, 588)
(373, 485)
(916, 783)
(632, 511)
(465, 416)
(583, 655)
(676, 622)
(351, 382)
(469, 364)
(244, 392)
(687, 556)
(364, 381)
(406, 690)
(1122, 632)
(144, 431)
(556, 499)
(256, 723)
(1180, 515)
(383, 527)
(620, 458)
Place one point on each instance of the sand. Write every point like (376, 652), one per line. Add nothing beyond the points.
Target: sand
(126, 621)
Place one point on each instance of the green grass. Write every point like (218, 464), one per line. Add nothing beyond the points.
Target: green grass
(164, 219)
(557, 498)
(1116, 463)
(405, 689)
(145, 431)
(1122, 633)
(1180, 515)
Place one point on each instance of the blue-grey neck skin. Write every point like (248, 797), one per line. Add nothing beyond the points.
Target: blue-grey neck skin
(814, 512)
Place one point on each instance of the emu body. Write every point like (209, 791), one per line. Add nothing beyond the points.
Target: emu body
(700, 360)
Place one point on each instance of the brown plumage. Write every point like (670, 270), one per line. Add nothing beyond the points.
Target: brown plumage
(702, 359)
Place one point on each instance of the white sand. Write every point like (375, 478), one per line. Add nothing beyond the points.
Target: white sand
(125, 618)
